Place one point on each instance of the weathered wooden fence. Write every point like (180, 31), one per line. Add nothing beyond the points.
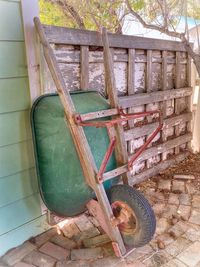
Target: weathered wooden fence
(150, 74)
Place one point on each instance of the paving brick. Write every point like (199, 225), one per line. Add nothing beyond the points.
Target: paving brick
(175, 263)
(139, 254)
(39, 259)
(191, 255)
(23, 264)
(173, 199)
(106, 262)
(92, 232)
(164, 185)
(184, 212)
(93, 221)
(96, 241)
(185, 199)
(86, 254)
(196, 201)
(72, 264)
(158, 208)
(177, 246)
(54, 251)
(70, 230)
(192, 234)
(178, 229)
(165, 238)
(162, 226)
(158, 259)
(170, 211)
(159, 197)
(44, 237)
(63, 242)
(195, 217)
(17, 254)
(83, 223)
(135, 264)
(178, 186)
(191, 189)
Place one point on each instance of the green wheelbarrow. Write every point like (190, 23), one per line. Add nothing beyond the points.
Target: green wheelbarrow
(75, 136)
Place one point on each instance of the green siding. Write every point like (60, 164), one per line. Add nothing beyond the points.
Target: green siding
(11, 21)
(20, 211)
(15, 158)
(17, 236)
(18, 127)
(19, 185)
(14, 94)
(12, 60)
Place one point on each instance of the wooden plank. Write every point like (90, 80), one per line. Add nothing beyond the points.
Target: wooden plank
(84, 67)
(149, 71)
(61, 35)
(10, 22)
(12, 60)
(189, 98)
(31, 44)
(149, 128)
(177, 101)
(99, 114)
(131, 83)
(22, 233)
(120, 148)
(158, 149)
(18, 186)
(70, 56)
(163, 104)
(143, 176)
(16, 158)
(14, 127)
(147, 98)
(14, 95)
(19, 212)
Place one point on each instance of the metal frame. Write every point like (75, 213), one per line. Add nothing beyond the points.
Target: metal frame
(101, 209)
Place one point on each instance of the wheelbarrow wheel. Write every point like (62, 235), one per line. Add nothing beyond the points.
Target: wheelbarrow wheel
(133, 215)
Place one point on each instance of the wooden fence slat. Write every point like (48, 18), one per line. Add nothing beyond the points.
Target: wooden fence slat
(69, 57)
(146, 98)
(61, 35)
(149, 71)
(141, 177)
(131, 84)
(120, 149)
(189, 98)
(147, 129)
(158, 149)
(163, 104)
(177, 101)
(84, 57)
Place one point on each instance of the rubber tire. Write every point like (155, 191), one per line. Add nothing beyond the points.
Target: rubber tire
(143, 212)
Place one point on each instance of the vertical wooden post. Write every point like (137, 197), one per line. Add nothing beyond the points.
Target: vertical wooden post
(84, 54)
(148, 82)
(31, 44)
(163, 105)
(177, 101)
(120, 150)
(131, 85)
(189, 99)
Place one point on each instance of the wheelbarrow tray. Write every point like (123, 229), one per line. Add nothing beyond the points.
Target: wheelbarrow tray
(60, 177)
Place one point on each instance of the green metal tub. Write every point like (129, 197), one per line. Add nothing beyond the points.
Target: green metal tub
(61, 181)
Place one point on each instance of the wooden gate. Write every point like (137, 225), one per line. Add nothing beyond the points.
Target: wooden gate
(150, 74)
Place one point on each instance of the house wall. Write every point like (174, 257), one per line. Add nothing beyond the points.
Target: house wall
(20, 212)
